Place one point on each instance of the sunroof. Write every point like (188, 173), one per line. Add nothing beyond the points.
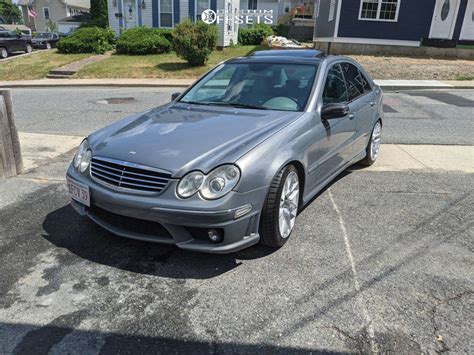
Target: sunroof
(302, 53)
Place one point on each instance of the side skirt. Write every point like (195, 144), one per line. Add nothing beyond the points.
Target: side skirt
(314, 192)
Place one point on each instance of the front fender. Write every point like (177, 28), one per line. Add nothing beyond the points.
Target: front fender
(260, 165)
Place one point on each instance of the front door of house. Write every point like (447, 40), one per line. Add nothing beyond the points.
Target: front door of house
(467, 31)
(444, 19)
(129, 13)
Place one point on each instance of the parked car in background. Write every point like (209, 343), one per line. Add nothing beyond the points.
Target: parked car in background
(231, 161)
(46, 40)
(11, 41)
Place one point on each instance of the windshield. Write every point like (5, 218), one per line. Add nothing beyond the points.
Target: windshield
(42, 35)
(265, 86)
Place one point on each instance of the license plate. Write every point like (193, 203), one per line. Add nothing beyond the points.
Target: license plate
(79, 192)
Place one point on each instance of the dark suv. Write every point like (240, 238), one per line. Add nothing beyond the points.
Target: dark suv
(10, 41)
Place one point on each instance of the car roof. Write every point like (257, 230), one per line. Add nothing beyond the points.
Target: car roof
(295, 56)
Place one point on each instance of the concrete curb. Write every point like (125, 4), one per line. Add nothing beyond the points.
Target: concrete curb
(388, 85)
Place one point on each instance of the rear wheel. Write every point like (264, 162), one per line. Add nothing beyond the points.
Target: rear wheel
(280, 208)
(373, 147)
(29, 48)
(3, 53)
(48, 45)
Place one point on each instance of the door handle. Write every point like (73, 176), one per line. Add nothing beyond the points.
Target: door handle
(351, 115)
(372, 103)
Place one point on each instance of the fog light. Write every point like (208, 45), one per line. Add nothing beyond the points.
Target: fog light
(214, 236)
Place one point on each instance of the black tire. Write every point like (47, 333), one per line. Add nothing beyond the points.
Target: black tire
(368, 160)
(3, 53)
(269, 228)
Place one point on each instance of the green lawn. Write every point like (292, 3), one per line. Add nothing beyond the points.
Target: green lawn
(36, 66)
(157, 66)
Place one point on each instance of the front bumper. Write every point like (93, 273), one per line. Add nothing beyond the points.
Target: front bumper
(180, 218)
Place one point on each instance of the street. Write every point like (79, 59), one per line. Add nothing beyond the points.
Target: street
(380, 261)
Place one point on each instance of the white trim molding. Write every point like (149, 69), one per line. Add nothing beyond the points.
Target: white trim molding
(379, 8)
(376, 41)
(338, 16)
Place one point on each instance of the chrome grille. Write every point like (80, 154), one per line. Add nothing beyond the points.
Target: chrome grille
(128, 175)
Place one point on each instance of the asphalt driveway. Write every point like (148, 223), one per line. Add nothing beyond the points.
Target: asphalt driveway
(380, 261)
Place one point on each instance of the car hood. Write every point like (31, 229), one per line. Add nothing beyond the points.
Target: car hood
(180, 137)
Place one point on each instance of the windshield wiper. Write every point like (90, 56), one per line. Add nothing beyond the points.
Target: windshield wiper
(237, 104)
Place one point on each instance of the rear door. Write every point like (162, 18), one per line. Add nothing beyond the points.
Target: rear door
(361, 104)
(335, 147)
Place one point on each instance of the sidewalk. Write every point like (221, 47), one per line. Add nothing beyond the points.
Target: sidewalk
(39, 149)
(182, 83)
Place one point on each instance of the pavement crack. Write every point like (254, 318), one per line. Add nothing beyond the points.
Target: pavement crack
(441, 344)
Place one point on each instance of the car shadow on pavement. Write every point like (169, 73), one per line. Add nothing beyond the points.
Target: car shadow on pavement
(66, 229)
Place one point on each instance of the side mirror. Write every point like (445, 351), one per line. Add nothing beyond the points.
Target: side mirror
(175, 95)
(331, 111)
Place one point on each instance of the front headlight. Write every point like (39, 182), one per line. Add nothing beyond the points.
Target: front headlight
(83, 156)
(190, 184)
(216, 184)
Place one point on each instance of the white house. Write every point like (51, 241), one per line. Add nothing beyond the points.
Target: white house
(48, 11)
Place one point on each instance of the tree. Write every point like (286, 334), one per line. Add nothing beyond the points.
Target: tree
(98, 12)
(10, 12)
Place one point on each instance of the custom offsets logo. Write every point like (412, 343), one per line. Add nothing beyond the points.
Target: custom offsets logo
(247, 17)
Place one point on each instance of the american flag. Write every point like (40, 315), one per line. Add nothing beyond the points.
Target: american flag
(32, 12)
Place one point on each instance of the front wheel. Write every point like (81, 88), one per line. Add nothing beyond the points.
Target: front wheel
(48, 45)
(29, 48)
(280, 208)
(373, 147)
(3, 53)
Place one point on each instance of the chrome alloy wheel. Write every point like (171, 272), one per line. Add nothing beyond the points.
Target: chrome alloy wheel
(375, 141)
(289, 198)
(3, 53)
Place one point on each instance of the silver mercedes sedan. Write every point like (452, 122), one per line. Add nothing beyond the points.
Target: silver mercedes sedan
(230, 162)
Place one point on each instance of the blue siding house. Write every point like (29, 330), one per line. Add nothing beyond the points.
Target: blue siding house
(125, 14)
(394, 22)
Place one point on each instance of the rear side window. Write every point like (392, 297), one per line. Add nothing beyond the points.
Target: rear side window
(354, 80)
(335, 90)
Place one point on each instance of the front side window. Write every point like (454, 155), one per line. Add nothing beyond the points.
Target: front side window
(266, 86)
(335, 90)
(166, 13)
(354, 80)
(382, 10)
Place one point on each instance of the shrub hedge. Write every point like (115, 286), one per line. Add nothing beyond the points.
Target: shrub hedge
(143, 40)
(194, 42)
(254, 35)
(87, 40)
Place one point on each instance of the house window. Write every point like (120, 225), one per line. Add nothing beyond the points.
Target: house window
(201, 5)
(46, 13)
(332, 10)
(252, 4)
(166, 13)
(379, 10)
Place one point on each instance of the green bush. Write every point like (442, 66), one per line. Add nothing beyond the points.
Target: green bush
(254, 35)
(281, 30)
(167, 33)
(194, 42)
(143, 40)
(87, 40)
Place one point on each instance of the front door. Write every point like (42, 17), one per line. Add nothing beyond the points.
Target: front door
(467, 31)
(335, 143)
(130, 14)
(444, 19)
